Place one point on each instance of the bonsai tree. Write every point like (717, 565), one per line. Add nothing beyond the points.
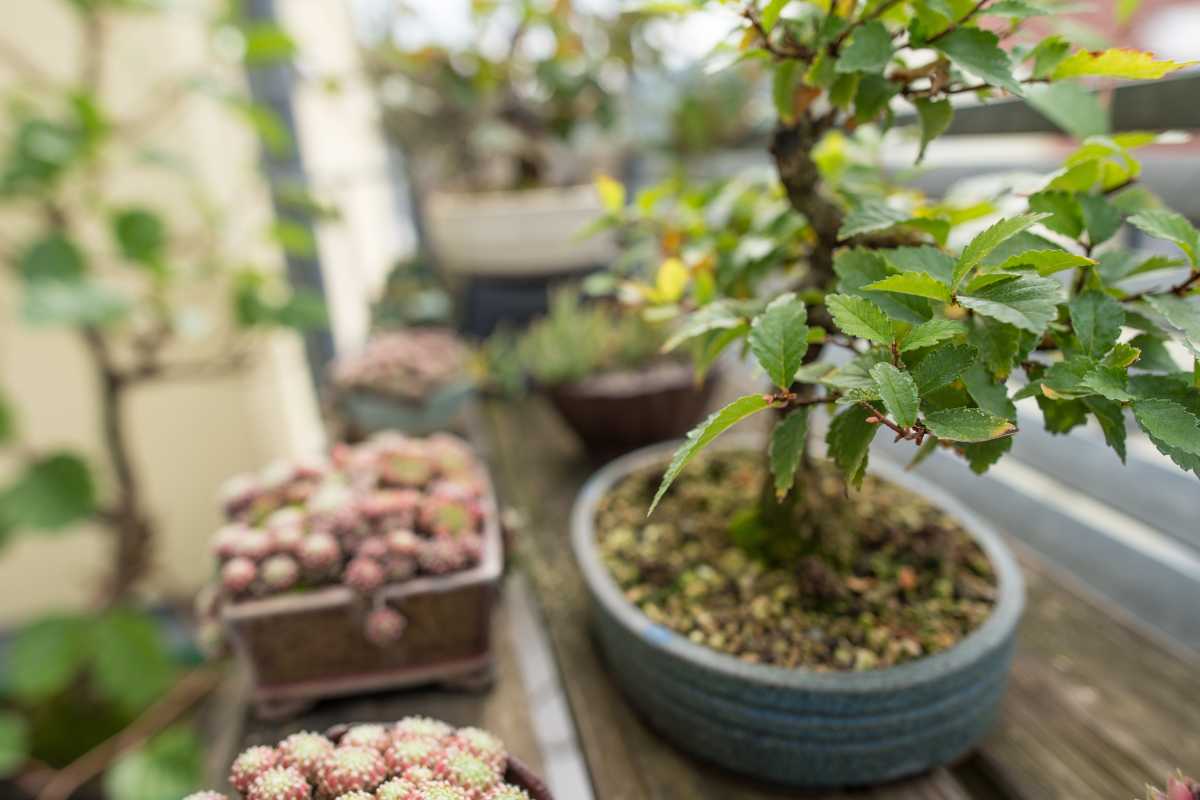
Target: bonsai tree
(934, 333)
(505, 117)
(109, 267)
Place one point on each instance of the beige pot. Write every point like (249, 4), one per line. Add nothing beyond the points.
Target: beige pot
(517, 234)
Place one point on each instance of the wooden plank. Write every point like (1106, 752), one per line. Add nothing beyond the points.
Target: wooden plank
(1095, 707)
(504, 709)
(538, 469)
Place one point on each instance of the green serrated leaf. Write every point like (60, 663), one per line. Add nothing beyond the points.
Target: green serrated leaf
(983, 455)
(1046, 262)
(858, 267)
(1065, 213)
(53, 492)
(720, 315)
(1072, 107)
(978, 51)
(1164, 224)
(848, 441)
(898, 392)
(1048, 54)
(779, 339)
(45, 657)
(930, 333)
(700, 436)
(1097, 320)
(988, 394)
(942, 365)
(1108, 382)
(1112, 422)
(1182, 313)
(915, 283)
(869, 49)
(140, 234)
(788, 443)
(935, 117)
(871, 215)
(1121, 355)
(967, 425)
(1169, 423)
(930, 260)
(1029, 302)
(990, 239)
(856, 316)
(1101, 218)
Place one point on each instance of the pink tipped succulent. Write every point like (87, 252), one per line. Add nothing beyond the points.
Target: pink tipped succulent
(482, 744)
(287, 539)
(227, 538)
(237, 494)
(398, 506)
(448, 517)
(418, 775)
(304, 753)
(400, 568)
(289, 517)
(468, 771)
(356, 795)
(254, 544)
(373, 547)
(395, 789)
(440, 790)
(441, 556)
(320, 553)
(280, 573)
(372, 735)
(349, 769)
(279, 783)
(421, 726)
(507, 791)
(207, 794)
(250, 764)
(413, 751)
(364, 575)
(385, 626)
(1178, 788)
(238, 575)
(406, 466)
(452, 455)
(403, 542)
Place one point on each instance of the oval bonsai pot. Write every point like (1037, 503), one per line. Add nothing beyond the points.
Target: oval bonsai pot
(794, 726)
(516, 773)
(617, 412)
(365, 412)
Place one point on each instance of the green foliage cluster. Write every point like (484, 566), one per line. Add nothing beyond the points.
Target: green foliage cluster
(499, 116)
(96, 257)
(943, 339)
(578, 339)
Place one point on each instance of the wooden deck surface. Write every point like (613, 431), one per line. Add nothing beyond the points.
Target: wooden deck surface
(1095, 709)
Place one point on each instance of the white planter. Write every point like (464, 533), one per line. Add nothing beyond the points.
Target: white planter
(517, 234)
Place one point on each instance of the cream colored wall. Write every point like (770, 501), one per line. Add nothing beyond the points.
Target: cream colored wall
(188, 436)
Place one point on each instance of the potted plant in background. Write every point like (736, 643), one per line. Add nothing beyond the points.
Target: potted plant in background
(501, 136)
(805, 620)
(103, 695)
(604, 371)
(375, 570)
(417, 757)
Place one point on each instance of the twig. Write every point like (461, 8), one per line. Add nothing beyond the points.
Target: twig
(954, 25)
(798, 53)
(190, 689)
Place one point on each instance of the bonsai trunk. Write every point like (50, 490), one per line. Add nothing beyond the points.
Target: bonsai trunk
(132, 528)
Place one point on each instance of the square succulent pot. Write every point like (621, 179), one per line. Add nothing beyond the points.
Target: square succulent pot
(304, 646)
(364, 412)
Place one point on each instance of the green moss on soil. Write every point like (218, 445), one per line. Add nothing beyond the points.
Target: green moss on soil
(911, 583)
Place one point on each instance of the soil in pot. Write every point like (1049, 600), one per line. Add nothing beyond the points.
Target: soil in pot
(868, 579)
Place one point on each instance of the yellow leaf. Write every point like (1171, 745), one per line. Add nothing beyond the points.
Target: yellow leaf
(671, 280)
(1116, 63)
(612, 193)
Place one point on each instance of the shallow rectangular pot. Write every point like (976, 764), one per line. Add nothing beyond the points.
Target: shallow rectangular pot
(305, 646)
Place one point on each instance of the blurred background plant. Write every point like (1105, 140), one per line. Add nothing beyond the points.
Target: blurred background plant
(512, 104)
(101, 691)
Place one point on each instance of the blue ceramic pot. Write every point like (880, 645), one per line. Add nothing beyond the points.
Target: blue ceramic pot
(794, 726)
(367, 412)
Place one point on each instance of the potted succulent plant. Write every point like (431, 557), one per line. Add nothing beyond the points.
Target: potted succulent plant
(413, 380)
(502, 142)
(417, 758)
(376, 569)
(811, 621)
(603, 369)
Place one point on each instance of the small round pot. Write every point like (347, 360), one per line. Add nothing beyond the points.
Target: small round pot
(516, 773)
(622, 411)
(367, 412)
(793, 726)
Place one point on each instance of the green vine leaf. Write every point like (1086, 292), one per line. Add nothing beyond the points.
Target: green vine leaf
(849, 442)
(788, 443)
(779, 339)
(967, 425)
(857, 316)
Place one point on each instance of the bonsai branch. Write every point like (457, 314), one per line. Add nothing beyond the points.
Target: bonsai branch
(190, 689)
